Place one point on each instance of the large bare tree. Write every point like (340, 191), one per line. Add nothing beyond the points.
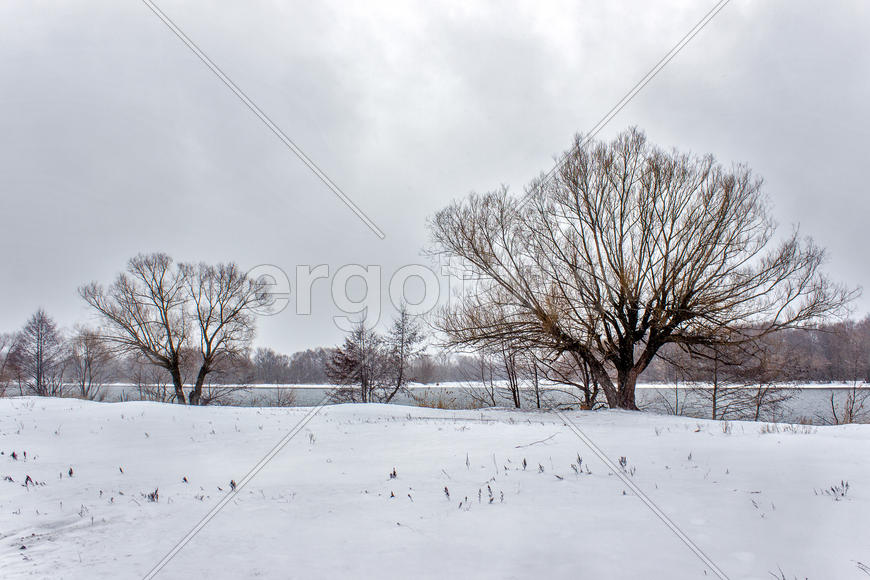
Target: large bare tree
(165, 312)
(144, 311)
(626, 249)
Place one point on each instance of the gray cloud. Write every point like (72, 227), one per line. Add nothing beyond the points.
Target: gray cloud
(115, 139)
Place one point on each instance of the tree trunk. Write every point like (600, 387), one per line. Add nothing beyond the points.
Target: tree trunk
(537, 385)
(600, 376)
(196, 393)
(399, 380)
(626, 393)
(179, 386)
(715, 387)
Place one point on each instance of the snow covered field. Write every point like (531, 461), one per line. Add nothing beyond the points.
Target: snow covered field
(750, 495)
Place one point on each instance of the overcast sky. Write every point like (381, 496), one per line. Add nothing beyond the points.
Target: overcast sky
(115, 139)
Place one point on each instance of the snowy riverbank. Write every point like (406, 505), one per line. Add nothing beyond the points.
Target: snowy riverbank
(750, 495)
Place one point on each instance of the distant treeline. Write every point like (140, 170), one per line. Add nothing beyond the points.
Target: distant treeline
(838, 352)
(831, 353)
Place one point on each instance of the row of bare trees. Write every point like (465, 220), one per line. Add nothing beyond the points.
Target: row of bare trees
(304, 367)
(629, 254)
(751, 380)
(837, 352)
(526, 378)
(40, 360)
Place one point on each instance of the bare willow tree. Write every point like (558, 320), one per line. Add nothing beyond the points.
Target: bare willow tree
(222, 297)
(144, 311)
(626, 249)
(165, 312)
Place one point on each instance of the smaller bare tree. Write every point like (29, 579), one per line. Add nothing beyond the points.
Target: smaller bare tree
(404, 344)
(718, 375)
(6, 342)
(512, 364)
(480, 381)
(359, 367)
(281, 396)
(673, 367)
(531, 370)
(89, 360)
(766, 379)
(855, 408)
(38, 357)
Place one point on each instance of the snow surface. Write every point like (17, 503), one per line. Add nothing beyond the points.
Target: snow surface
(749, 494)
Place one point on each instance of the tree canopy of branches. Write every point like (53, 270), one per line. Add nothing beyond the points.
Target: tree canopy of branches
(626, 249)
(167, 313)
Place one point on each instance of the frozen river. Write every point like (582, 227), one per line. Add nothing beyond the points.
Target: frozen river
(809, 403)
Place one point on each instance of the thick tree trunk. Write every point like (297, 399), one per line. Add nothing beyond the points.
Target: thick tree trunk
(626, 383)
(620, 395)
(179, 387)
(627, 393)
(196, 393)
